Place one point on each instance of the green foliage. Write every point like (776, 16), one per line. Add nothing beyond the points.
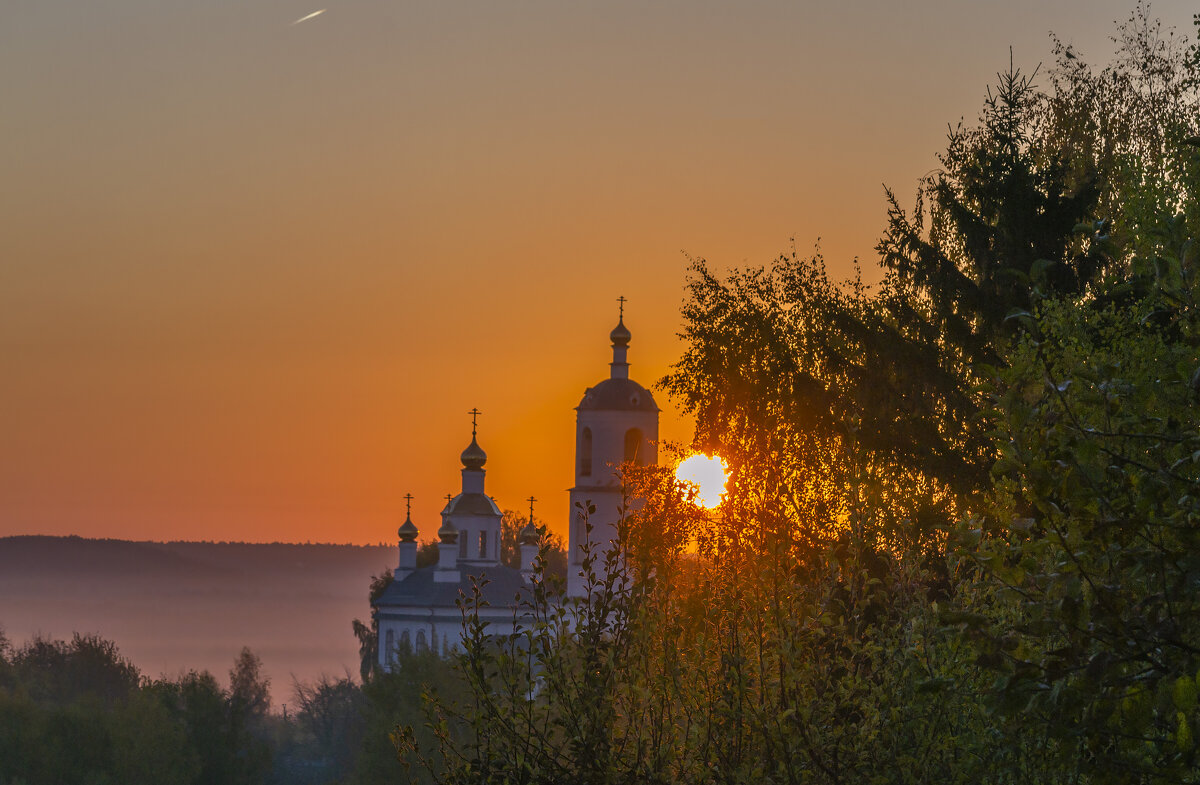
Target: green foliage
(1132, 129)
(511, 525)
(61, 672)
(320, 741)
(1102, 449)
(368, 635)
(78, 712)
(960, 541)
(400, 700)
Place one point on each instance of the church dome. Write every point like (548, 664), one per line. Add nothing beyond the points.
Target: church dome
(620, 335)
(623, 395)
(472, 504)
(448, 534)
(407, 531)
(529, 535)
(473, 457)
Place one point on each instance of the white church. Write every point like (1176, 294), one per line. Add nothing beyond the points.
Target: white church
(616, 422)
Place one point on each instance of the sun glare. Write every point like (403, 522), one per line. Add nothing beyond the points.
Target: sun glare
(708, 475)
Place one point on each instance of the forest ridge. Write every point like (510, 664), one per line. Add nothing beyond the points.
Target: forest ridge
(960, 541)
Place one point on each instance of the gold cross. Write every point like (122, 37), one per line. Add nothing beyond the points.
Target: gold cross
(474, 415)
(408, 497)
(531, 500)
(622, 301)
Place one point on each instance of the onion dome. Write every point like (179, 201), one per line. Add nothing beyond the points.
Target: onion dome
(448, 533)
(474, 457)
(528, 535)
(407, 531)
(620, 335)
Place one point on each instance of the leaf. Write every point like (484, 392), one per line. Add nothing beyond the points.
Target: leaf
(1184, 693)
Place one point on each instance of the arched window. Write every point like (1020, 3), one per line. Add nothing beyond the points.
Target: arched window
(633, 447)
(483, 541)
(405, 642)
(420, 640)
(585, 453)
(462, 544)
(389, 648)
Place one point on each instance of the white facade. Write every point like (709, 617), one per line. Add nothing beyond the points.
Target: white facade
(419, 610)
(616, 422)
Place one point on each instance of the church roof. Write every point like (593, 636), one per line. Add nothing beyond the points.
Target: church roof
(618, 395)
(471, 504)
(419, 589)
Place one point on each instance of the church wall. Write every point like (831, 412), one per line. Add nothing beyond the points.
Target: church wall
(608, 429)
(608, 437)
(440, 627)
(469, 527)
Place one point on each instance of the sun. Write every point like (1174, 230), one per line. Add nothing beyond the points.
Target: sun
(708, 475)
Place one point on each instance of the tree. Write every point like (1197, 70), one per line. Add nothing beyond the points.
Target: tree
(331, 715)
(150, 746)
(249, 690)
(368, 636)
(1102, 459)
(511, 525)
(1095, 425)
(59, 672)
(1027, 365)
(1132, 128)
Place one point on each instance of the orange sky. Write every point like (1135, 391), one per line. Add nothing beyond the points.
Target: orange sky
(253, 274)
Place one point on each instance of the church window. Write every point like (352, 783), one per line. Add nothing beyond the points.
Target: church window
(389, 649)
(420, 640)
(483, 541)
(462, 544)
(585, 453)
(633, 446)
(405, 643)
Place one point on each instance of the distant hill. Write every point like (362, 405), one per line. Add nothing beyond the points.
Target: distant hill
(39, 556)
(179, 606)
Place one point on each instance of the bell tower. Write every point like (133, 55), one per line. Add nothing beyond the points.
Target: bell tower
(616, 422)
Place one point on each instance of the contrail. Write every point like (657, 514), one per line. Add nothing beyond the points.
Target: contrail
(310, 16)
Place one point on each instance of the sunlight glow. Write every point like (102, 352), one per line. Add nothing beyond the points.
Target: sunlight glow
(708, 475)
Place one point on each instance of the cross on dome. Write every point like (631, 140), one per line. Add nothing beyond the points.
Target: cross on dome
(408, 530)
(529, 535)
(474, 457)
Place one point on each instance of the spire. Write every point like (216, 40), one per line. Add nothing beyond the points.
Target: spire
(529, 535)
(408, 530)
(620, 344)
(473, 458)
(408, 543)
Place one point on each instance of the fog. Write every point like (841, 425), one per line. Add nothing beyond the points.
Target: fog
(175, 607)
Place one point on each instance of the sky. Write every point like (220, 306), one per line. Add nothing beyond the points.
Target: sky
(254, 273)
